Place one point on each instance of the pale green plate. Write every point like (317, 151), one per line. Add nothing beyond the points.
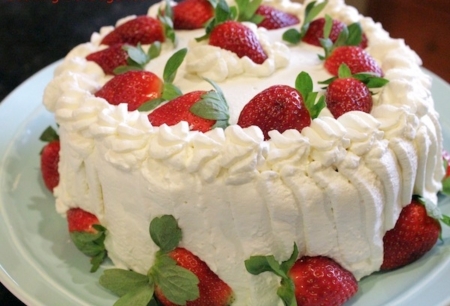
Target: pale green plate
(40, 265)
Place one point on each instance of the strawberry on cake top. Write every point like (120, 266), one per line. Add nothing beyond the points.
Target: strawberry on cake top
(241, 182)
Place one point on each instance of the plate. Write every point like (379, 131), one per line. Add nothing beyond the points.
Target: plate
(40, 265)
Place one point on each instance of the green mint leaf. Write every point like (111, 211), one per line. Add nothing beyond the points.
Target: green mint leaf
(120, 281)
(140, 296)
(172, 65)
(287, 265)
(304, 84)
(49, 135)
(328, 26)
(165, 232)
(178, 284)
(292, 36)
(287, 292)
(344, 71)
(154, 50)
(354, 34)
(170, 92)
(150, 105)
(97, 260)
(259, 264)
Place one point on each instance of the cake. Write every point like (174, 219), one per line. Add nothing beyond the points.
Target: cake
(334, 188)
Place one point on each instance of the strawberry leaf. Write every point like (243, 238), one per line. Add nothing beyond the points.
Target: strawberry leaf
(292, 36)
(287, 292)
(170, 92)
(344, 71)
(165, 233)
(287, 265)
(97, 260)
(92, 245)
(259, 264)
(354, 34)
(150, 105)
(166, 20)
(49, 135)
(140, 296)
(304, 84)
(120, 281)
(446, 186)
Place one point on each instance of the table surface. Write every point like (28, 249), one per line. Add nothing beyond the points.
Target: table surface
(36, 33)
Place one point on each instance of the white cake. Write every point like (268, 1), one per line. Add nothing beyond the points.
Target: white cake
(334, 188)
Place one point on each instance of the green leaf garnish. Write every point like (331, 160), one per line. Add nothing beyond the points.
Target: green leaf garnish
(49, 135)
(139, 296)
(259, 264)
(150, 105)
(92, 245)
(172, 65)
(138, 58)
(304, 84)
(166, 19)
(120, 281)
(165, 233)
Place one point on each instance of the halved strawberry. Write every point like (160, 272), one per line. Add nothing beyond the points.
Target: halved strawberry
(282, 107)
(50, 158)
(320, 280)
(192, 14)
(274, 18)
(212, 290)
(88, 235)
(132, 87)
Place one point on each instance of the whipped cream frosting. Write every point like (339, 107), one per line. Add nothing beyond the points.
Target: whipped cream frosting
(334, 189)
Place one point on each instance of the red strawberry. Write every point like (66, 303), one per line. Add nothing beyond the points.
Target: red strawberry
(50, 158)
(236, 37)
(354, 57)
(49, 164)
(315, 31)
(279, 107)
(88, 235)
(133, 88)
(321, 281)
(182, 109)
(192, 14)
(348, 94)
(109, 58)
(79, 220)
(142, 29)
(414, 234)
(274, 18)
(213, 291)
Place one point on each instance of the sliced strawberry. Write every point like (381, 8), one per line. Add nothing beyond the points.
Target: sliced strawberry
(88, 235)
(142, 29)
(110, 58)
(132, 87)
(50, 158)
(356, 58)
(198, 108)
(236, 37)
(414, 234)
(321, 281)
(315, 31)
(192, 14)
(213, 291)
(274, 18)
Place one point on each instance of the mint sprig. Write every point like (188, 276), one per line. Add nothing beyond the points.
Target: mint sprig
(304, 84)
(313, 9)
(92, 245)
(259, 264)
(178, 284)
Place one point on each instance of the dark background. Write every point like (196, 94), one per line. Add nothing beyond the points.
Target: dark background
(36, 33)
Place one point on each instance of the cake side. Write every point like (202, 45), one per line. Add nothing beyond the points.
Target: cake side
(334, 189)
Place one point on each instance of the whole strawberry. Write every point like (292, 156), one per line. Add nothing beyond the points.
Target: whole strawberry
(350, 92)
(142, 29)
(192, 14)
(315, 31)
(132, 87)
(203, 110)
(355, 57)
(321, 281)
(414, 234)
(49, 159)
(110, 58)
(213, 291)
(87, 234)
(238, 38)
(281, 107)
(274, 18)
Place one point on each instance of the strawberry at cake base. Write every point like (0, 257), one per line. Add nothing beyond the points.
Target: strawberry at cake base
(334, 188)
